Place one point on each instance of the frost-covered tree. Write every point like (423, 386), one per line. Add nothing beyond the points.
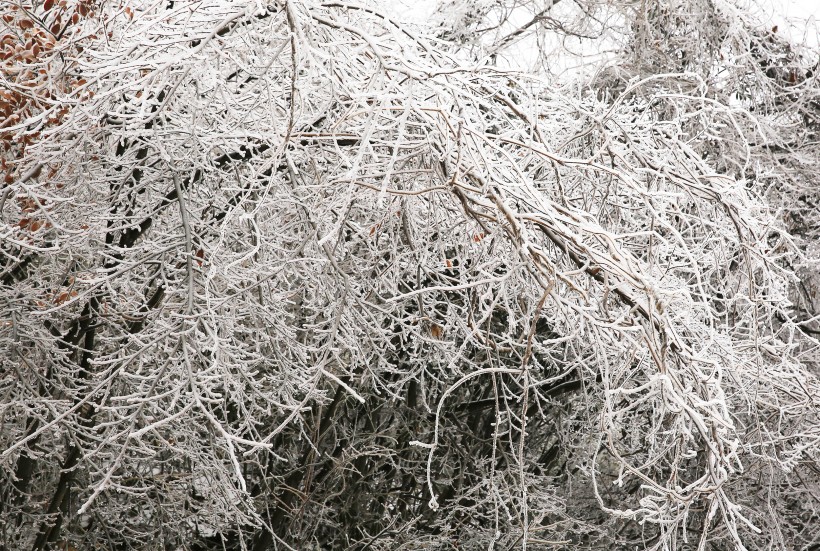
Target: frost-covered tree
(297, 274)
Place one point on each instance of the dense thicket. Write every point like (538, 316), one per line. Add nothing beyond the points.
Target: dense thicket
(298, 274)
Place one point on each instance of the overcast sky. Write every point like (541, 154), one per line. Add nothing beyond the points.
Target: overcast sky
(800, 19)
(794, 12)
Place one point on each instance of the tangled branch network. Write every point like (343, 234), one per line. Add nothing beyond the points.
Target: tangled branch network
(272, 251)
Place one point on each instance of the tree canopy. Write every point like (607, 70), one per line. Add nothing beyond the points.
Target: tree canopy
(302, 275)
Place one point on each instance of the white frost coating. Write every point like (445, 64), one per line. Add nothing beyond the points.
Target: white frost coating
(298, 264)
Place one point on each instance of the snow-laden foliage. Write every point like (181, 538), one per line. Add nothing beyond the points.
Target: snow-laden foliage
(297, 275)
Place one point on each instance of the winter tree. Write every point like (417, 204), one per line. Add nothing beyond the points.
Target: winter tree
(302, 275)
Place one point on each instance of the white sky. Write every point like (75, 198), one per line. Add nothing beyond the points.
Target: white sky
(799, 19)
